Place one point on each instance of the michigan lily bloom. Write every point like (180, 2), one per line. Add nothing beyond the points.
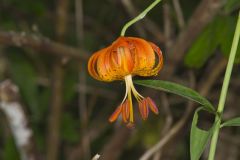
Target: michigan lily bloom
(123, 59)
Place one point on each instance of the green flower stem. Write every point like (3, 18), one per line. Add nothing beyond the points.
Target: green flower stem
(139, 17)
(224, 90)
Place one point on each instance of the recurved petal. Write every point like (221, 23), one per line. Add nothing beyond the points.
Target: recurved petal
(144, 55)
(115, 114)
(102, 69)
(121, 55)
(93, 64)
(127, 55)
(152, 105)
(124, 56)
(148, 58)
(158, 58)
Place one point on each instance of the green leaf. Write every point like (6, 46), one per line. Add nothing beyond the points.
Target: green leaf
(231, 5)
(69, 129)
(70, 82)
(198, 137)
(177, 89)
(225, 32)
(203, 47)
(24, 75)
(9, 150)
(218, 33)
(231, 122)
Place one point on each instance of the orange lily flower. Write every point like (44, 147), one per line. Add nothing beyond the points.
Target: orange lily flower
(125, 58)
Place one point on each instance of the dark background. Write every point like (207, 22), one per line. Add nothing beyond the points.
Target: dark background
(44, 48)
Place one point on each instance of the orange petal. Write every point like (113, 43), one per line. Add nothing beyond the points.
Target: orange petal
(148, 57)
(96, 66)
(144, 56)
(122, 56)
(102, 68)
(152, 105)
(158, 66)
(125, 58)
(115, 114)
(126, 55)
(92, 68)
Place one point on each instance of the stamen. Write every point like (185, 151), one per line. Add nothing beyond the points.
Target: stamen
(130, 105)
(115, 114)
(126, 91)
(137, 95)
(143, 103)
(143, 108)
(125, 111)
(152, 105)
(128, 80)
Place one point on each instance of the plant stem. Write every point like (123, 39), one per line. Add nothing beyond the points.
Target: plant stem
(224, 90)
(139, 17)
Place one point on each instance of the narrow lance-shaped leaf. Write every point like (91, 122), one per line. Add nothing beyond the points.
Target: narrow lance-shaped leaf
(203, 47)
(177, 89)
(232, 122)
(231, 5)
(198, 137)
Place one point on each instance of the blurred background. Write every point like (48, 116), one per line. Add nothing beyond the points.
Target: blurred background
(59, 112)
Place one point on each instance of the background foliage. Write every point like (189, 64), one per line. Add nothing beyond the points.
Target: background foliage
(32, 70)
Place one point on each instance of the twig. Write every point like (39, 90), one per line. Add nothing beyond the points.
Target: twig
(89, 89)
(168, 121)
(79, 22)
(166, 108)
(216, 69)
(178, 126)
(204, 13)
(96, 157)
(113, 149)
(99, 29)
(167, 27)
(209, 82)
(42, 44)
(83, 113)
(53, 139)
(174, 130)
(96, 129)
(171, 133)
(12, 108)
(97, 91)
(179, 13)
